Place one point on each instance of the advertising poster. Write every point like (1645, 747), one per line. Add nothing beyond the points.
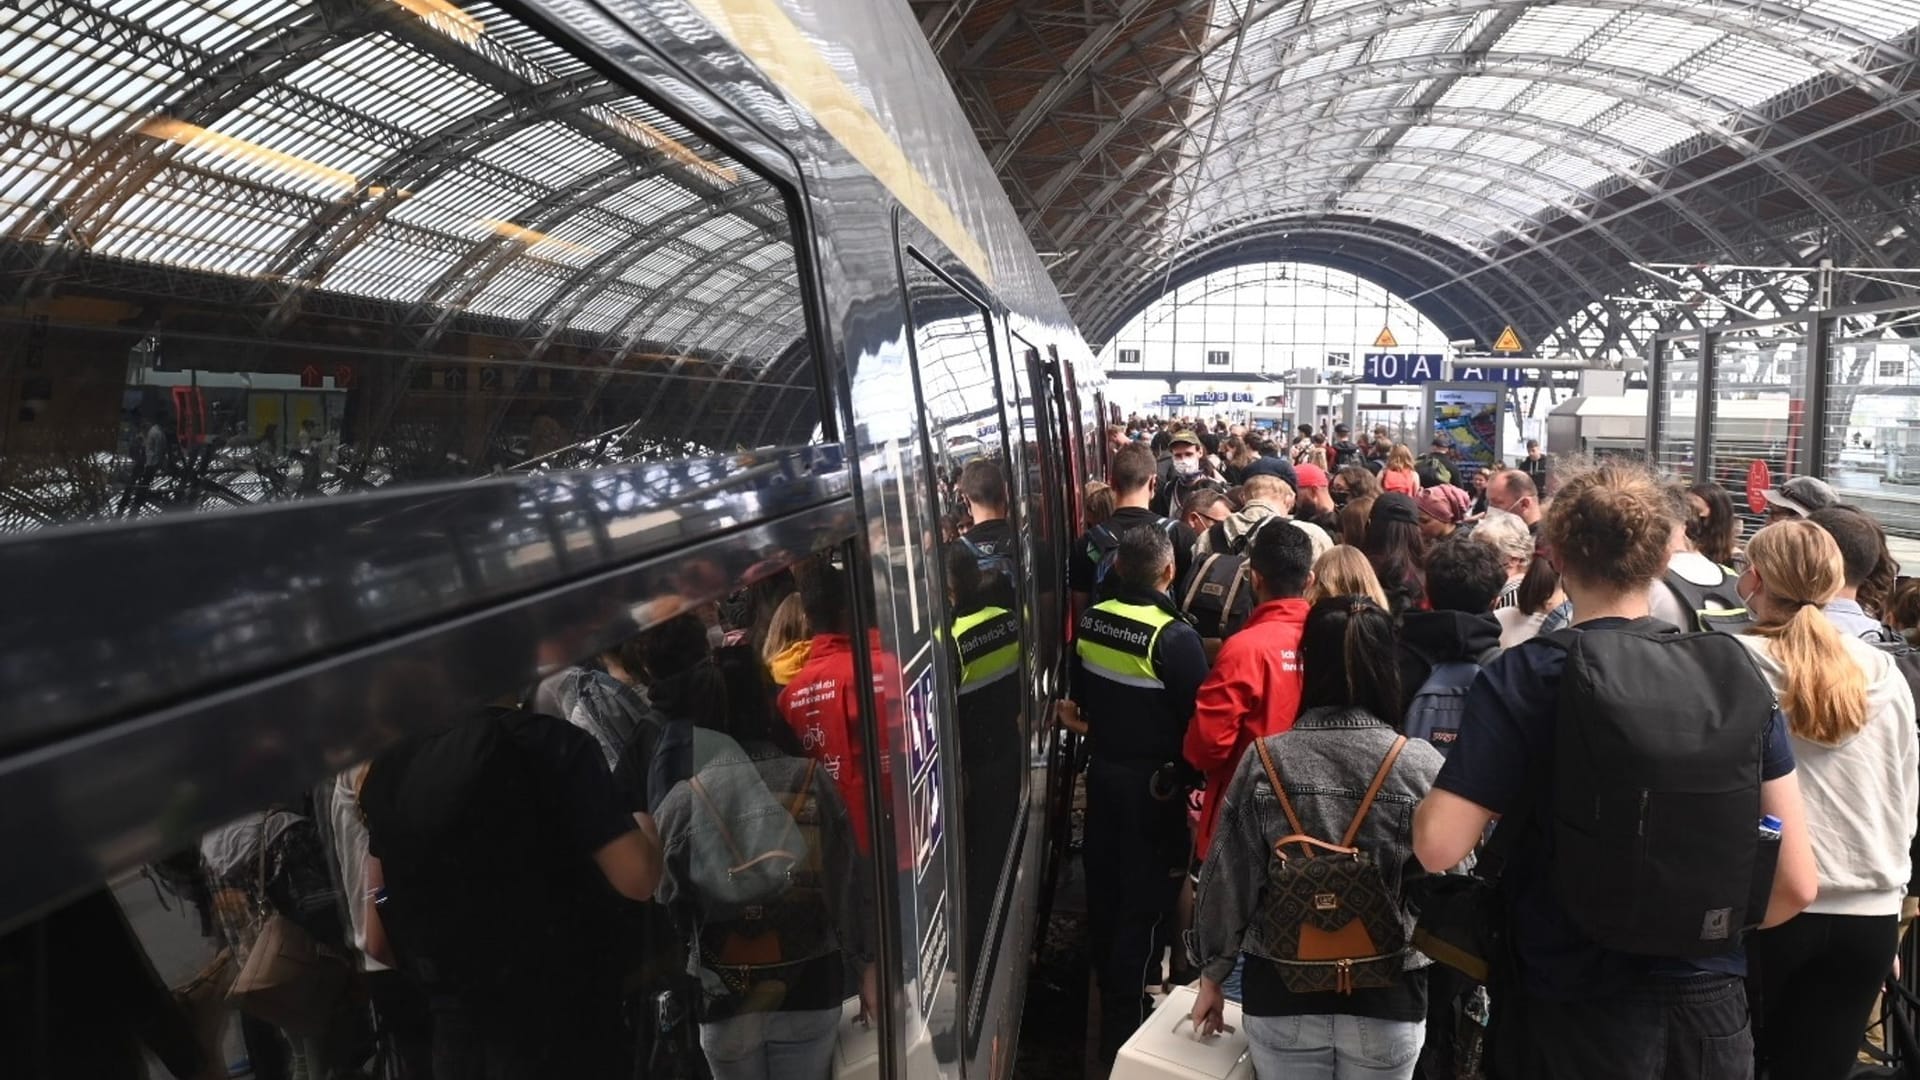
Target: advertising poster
(1468, 419)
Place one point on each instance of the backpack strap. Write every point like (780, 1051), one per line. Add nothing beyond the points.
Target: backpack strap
(1233, 595)
(1373, 789)
(806, 789)
(1280, 792)
(1196, 577)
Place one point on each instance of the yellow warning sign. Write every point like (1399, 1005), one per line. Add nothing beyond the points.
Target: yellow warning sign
(1508, 341)
(1386, 340)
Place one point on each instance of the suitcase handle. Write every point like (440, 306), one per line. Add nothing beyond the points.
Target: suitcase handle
(1225, 1028)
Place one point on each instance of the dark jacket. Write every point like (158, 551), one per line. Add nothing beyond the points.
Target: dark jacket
(1326, 762)
(1435, 637)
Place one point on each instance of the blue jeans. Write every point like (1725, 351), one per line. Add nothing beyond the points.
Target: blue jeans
(1231, 987)
(772, 1045)
(1334, 1047)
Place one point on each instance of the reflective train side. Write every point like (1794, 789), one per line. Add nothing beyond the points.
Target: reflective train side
(610, 311)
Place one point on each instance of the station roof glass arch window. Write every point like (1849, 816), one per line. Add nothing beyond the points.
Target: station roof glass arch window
(1536, 150)
(432, 195)
(1272, 319)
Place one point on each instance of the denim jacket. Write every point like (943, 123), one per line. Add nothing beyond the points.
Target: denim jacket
(1326, 762)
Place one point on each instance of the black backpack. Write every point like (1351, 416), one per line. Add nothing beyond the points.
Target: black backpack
(1218, 591)
(484, 894)
(1103, 544)
(1714, 607)
(1656, 789)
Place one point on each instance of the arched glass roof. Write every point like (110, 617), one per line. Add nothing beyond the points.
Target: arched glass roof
(433, 157)
(1544, 145)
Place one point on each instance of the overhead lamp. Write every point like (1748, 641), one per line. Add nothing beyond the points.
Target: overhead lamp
(452, 21)
(251, 153)
(530, 237)
(647, 135)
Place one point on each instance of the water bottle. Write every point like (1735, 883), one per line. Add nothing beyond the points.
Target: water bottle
(1771, 827)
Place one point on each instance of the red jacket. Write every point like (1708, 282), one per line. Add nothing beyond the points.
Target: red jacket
(1253, 691)
(822, 706)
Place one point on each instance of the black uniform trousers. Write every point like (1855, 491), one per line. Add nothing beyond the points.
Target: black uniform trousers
(1136, 856)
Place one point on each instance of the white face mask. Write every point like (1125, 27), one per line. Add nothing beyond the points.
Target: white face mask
(1186, 466)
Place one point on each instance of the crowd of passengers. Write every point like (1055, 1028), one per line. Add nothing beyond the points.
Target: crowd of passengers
(1664, 786)
(1651, 795)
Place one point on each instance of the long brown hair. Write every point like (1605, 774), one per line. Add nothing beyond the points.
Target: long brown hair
(1345, 571)
(1826, 692)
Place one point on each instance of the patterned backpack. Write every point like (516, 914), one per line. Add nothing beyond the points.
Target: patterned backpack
(1326, 911)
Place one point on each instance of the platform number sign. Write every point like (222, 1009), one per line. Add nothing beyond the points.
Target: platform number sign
(1219, 358)
(1130, 356)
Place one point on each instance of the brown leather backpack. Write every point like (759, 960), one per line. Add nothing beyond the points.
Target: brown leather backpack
(1326, 911)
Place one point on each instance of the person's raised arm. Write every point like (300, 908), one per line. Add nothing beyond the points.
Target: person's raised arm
(1796, 880)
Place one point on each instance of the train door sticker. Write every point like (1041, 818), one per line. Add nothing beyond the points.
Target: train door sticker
(927, 826)
(924, 750)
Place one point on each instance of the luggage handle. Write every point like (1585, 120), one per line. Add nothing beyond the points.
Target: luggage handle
(1187, 1018)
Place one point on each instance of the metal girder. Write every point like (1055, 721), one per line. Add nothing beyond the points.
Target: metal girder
(1276, 240)
(1435, 225)
(1073, 70)
(1568, 140)
(1684, 103)
(1769, 22)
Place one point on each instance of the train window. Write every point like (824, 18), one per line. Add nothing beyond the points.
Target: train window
(980, 562)
(624, 877)
(430, 245)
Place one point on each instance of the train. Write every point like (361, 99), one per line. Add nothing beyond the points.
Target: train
(368, 361)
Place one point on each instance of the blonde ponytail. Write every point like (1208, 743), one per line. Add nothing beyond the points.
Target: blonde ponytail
(1826, 691)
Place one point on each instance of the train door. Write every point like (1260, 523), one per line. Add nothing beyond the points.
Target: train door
(976, 470)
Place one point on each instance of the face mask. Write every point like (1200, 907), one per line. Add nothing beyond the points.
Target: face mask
(716, 636)
(1746, 598)
(1186, 466)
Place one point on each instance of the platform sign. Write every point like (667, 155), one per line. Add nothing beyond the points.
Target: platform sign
(1759, 479)
(1174, 401)
(1385, 339)
(1413, 369)
(1243, 397)
(1508, 341)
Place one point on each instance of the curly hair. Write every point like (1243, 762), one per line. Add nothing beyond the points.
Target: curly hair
(1610, 527)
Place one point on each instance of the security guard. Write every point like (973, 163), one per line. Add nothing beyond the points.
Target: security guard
(986, 639)
(1138, 665)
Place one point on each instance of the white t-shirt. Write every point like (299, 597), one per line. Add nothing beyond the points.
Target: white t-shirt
(1862, 794)
(350, 850)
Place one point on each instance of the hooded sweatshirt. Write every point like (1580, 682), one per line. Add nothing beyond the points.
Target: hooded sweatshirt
(788, 661)
(1862, 793)
(1435, 637)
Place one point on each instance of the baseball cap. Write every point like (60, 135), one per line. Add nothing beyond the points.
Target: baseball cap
(1309, 475)
(1394, 506)
(1802, 495)
(1444, 502)
(1184, 436)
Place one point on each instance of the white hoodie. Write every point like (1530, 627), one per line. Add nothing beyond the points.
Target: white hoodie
(1863, 793)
